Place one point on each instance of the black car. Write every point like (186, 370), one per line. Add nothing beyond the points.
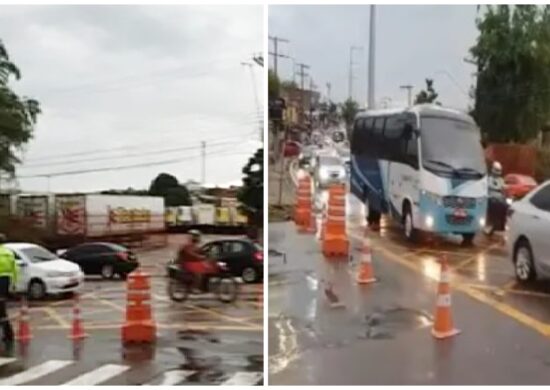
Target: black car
(243, 257)
(102, 258)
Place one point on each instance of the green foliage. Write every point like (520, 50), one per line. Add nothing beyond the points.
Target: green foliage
(17, 115)
(350, 108)
(174, 193)
(274, 85)
(288, 84)
(512, 52)
(251, 194)
(428, 95)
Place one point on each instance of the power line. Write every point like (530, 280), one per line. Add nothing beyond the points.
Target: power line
(275, 53)
(130, 155)
(122, 167)
(125, 147)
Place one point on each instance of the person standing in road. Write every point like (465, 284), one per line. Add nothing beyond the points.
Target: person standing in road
(8, 280)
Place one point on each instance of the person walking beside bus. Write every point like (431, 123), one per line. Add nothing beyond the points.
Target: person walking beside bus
(8, 279)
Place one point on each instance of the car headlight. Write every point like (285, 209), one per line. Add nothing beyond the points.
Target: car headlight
(323, 174)
(437, 199)
(509, 201)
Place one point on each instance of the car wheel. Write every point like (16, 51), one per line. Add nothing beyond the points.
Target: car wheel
(249, 275)
(524, 266)
(36, 290)
(408, 226)
(107, 271)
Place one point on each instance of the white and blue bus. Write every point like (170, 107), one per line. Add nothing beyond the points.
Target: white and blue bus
(424, 166)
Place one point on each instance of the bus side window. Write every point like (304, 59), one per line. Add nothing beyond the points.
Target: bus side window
(377, 138)
(392, 137)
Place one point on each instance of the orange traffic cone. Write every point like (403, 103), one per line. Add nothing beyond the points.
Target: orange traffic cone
(366, 274)
(24, 329)
(77, 330)
(443, 324)
(139, 325)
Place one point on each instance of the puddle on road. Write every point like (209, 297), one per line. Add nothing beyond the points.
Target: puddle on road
(386, 324)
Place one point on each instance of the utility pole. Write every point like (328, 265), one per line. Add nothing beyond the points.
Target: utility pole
(372, 41)
(409, 88)
(203, 161)
(302, 74)
(256, 101)
(275, 53)
(328, 92)
(351, 64)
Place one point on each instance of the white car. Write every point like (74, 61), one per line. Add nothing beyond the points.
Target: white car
(42, 273)
(529, 233)
(329, 169)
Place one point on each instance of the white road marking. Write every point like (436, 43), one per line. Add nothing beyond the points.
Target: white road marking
(4, 361)
(35, 372)
(172, 378)
(97, 376)
(243, 379)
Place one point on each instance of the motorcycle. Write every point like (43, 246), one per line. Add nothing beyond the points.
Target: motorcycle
(497, 210)
(219, 282)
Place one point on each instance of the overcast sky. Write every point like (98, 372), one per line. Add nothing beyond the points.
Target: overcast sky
(148, 82)
(412, 43)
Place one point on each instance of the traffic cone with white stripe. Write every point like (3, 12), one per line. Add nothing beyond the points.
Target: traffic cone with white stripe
(366, 274)
(77, 329)
(24, 329)
(443, 324)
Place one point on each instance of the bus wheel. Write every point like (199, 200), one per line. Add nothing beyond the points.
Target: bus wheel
(410, 231)
(468, 239)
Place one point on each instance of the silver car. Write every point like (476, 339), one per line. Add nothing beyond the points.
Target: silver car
(529, 234)
(329, 169)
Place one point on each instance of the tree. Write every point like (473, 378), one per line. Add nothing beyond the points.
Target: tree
(274, 85)
(251, 194)
(427, 96)
(167, 186)
(350, 108)
(17, 115)
(288, 84)
(512, 54)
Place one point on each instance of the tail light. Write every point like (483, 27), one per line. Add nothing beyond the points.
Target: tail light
(258, 256)
(122, 256)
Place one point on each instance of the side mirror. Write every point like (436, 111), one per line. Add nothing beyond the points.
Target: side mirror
(20, 263)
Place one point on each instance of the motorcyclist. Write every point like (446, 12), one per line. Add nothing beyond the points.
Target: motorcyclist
(191, 260)
(9, 273)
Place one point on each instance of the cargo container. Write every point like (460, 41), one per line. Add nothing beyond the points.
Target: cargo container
(204, 214)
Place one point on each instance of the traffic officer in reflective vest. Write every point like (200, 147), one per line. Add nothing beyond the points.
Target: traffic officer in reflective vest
(8, 280)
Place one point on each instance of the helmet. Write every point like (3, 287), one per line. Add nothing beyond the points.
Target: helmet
(496, 168)
(195, 235)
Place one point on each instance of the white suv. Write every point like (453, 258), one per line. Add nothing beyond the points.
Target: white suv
(41, 272)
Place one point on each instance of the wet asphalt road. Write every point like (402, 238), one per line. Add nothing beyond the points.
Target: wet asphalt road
(198, 342)
(382, 335)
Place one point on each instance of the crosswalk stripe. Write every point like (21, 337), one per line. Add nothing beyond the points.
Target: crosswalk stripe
(35, 372)
(5, 361)
(172, 378)
(243, 379)
(97, 376)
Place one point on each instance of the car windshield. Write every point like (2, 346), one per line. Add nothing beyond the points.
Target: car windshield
(38, 254)
(451, 148)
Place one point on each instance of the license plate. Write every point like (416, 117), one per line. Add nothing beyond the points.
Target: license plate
(460, 213)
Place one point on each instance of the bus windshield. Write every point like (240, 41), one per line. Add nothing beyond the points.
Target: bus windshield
(451, 148)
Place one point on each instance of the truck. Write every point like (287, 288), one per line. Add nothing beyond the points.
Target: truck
(87, 215)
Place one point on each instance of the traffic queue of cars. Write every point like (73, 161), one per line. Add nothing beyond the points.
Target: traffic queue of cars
(43, 273)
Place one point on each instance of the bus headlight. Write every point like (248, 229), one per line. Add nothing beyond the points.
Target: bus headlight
(429, 221)
(482, 222)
